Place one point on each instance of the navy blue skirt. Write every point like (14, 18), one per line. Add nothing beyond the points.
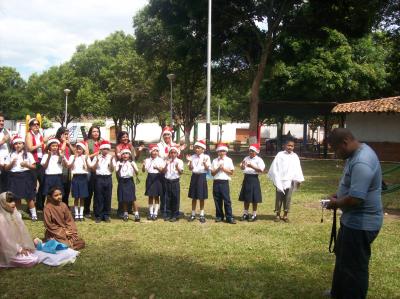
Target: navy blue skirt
(251, 190)
(198, 186)
(153, 185)
(80, 186)
(126, 191)
(52, 180)
(22, 184)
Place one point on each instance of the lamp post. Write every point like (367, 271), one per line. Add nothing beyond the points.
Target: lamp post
(66, 91)
(208, 124)
(171, 78)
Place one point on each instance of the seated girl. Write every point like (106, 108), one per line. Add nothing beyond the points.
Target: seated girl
(16, 246)
(59, 222)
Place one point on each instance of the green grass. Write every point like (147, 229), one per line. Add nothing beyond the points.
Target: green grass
(192, 260)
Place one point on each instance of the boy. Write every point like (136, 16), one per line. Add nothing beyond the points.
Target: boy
(286, 174)
(221, 169)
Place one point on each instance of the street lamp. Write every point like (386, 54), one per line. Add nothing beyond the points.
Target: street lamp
(66, 91)
(171, 78)
(208, 124)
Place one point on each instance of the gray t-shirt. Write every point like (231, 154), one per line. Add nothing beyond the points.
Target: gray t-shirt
(362, 179)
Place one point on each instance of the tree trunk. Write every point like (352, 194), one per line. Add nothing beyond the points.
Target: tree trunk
(134, 131)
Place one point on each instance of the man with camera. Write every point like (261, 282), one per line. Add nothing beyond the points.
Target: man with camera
(359, 198)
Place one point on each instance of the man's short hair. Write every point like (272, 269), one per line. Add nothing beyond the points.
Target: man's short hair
(2, 115)
(338, 135)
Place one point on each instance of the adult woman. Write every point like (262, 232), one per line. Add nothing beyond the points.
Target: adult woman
(93, 141)
(65, 146)
(16, 246)
(35, 144)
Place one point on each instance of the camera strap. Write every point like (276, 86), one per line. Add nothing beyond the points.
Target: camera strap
(333, 234)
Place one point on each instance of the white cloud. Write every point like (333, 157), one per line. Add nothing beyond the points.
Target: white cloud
(37, 34)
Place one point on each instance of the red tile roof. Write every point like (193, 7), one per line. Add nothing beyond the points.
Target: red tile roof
(380, 105)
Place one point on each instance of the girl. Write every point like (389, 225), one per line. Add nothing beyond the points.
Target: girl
(252, 165)
(154, 167)
(66, 147)
(126, 168)
(52, 165)
(21, 181)
(199, 164)
(58, 221)
(79, 185)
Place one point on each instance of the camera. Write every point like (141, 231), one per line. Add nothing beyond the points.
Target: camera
(324, 203)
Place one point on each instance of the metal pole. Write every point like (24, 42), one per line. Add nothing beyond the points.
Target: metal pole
(208, 125)
(170, 107)
(219, 127)
(66, 91)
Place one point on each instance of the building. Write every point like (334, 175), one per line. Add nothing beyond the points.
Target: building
(375, 122)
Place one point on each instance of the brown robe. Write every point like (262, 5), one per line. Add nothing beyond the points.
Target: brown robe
(58, 220)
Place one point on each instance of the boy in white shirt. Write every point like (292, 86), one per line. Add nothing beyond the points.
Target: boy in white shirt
(286, 174)
(173, 170)
(222, 169)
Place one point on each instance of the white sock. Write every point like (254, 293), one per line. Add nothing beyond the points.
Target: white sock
(125, 213)
(193, 213)
(151, 209)
(33, 212)
(246, 212)
(156, 206)
(201, 212)
(254, 213)
(76, 211)
(81, 212)
(136, 213)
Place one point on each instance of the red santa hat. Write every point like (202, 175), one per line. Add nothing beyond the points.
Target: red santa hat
(53, 140)
(153, 147)
(255, 147)
(105, 145)
(174, 148)
(82, 144)
(201, 143)
(167, 131)
(17, 139)
(126, 151)
(222, 147)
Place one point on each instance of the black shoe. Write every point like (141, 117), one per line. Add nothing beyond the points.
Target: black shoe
(154, 218)
(192, 218)
(81, 219)
(137, 218)
(167, 219)
(125, 218)
(87, 215)
(34, 219)
(231, 220)
(202, 219)
(253, 218)
(98, 220)
(149, 217)
(173, 219)
(245, 217)
(218, 219)
(108, 220)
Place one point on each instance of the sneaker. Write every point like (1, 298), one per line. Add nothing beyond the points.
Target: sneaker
(137, 218)
(277, 218)
(192, 218)
(253, 218)
(231, 220)
(202, 219)
(125, 218)
(98, 220)
(245, 217)
(218, 219)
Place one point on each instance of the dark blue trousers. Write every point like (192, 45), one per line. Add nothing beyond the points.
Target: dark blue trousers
(91, 187)
(353, 251)
(172, 197)
(102, 196)
(222, 199)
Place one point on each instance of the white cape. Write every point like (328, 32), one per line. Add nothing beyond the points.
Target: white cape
(61, 258)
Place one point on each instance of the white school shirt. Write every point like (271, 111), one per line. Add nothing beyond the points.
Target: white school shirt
(256, 161)
(126, 168)
(284, 170)
(172, 173)
(54, 167)
(149, 164)
(104, 163)
(4, 148)
(163, 149)
(79, 164)
(197, 163)
(228, 164)
(17, 167)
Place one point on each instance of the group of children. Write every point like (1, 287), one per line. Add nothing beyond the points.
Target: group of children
(162, 182)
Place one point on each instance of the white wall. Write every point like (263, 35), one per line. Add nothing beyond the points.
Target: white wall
(374, 127)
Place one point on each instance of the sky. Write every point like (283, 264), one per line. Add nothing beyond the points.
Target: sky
(37, 34)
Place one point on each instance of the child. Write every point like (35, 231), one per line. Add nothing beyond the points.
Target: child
(286, 174)
(199, 164)
(20, 180)
(58, 221)
(221, 169)
(103, 165)
(126, 168)
(173, 169)
(154, 166)
(252, 165)
(52, 165)
(79, 184)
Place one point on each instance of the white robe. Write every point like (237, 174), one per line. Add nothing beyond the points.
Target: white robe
(284, 170)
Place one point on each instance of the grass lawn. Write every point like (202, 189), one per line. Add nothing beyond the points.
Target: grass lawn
(214, 260)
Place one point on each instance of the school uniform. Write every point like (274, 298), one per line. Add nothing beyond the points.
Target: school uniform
(21, 181)
(198, 183)
(163, 151)
(251, 190)
(153, 181)
(221, 190)
(38, 172)
(103, 186)
(79, 171)
(172, 187)
(126, 187)
(52, 174)
(4, 152)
